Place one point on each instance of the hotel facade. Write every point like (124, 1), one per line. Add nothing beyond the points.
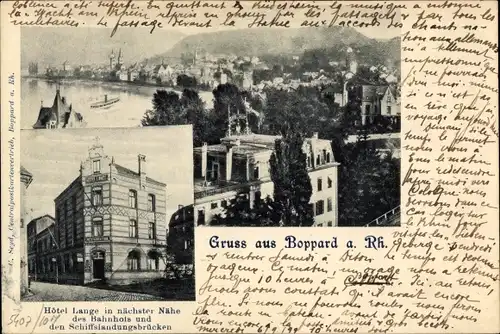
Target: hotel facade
(110, 225)
(240, 164)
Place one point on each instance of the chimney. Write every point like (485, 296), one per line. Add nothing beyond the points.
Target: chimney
(204, 150)
(142, 169)
(314, 139)
(229, 162)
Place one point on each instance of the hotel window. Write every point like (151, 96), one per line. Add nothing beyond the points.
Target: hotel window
(309, 161)
(133, 261)
(132, 228)
(388, 110)
(318, 160)
(97, 227)
(213, 205)
(320, 207)
(151, 203)
(97, 196)
(152, 230)
(96, 166)
(324, 156)
(328, 157)
(153, 262)
(320, 184)
(329, 204)
(132, 199)
(330, 182)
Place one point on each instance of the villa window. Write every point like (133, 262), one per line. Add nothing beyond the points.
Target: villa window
(329, 204)
(96, 166)
(309, 161)
(96, 196)
(330, 182)
(132, 199)
(223, 203)
(320, 184)
(318, 160)
(133, 261)
(132, 228)
(388, 110)
(201, 217)
(97, 227)
(328, 157)
(324, 156)
(320, 207)
(258, 196)
(389, 98)
(213, 205)
(151, 203)
(330, 223)
(256, 173)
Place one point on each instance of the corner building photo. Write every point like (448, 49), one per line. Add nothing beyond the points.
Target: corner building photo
(240, 164)
(110, 225)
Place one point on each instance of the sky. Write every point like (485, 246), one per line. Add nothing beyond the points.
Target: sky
(54, 156)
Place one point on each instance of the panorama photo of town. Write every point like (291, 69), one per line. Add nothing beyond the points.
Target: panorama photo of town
(290, 127)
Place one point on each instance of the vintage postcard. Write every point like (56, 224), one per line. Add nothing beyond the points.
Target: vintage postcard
(250, 166)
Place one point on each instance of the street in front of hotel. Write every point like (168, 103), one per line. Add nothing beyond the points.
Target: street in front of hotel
(54, 292)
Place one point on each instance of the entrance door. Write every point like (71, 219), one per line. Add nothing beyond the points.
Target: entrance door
(98, 265)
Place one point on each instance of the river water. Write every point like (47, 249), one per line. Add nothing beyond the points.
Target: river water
(128, 112)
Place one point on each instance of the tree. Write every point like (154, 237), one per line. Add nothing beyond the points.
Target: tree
(186, 81)
(306, 109)
(239, 213)
(292, 185)
(166, 109)
(368, 183)
(227, 98)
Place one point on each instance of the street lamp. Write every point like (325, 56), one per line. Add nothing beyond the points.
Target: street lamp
(54, 260)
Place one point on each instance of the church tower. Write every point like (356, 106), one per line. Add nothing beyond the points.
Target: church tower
(112, 62)
(120, 58)
(351, 62)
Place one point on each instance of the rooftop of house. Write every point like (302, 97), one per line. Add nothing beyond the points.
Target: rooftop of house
(24, 171)
(125, 171)
(42, 223)
(59, 110)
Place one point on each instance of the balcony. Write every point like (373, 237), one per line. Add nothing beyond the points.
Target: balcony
(204, 189)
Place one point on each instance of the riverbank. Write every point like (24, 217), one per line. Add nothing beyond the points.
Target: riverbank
(113, 83)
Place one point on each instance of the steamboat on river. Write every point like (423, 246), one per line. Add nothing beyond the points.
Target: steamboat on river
(104, 104)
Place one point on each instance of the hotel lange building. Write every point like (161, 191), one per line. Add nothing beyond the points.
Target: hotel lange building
(110, 225)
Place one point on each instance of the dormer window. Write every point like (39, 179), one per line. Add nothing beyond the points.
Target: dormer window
(96, 166)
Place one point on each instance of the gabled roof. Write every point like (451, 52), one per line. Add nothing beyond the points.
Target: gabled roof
(128, 172)
(24, 171)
